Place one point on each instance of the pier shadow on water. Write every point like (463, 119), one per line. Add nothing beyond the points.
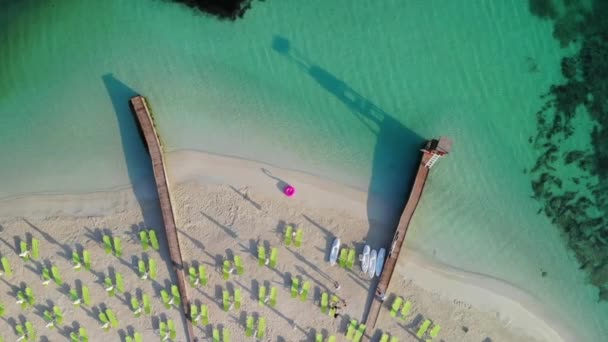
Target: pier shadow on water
(137, 158)
(396, 152)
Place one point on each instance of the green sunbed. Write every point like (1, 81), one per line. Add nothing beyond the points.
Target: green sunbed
(350, 330)
(237, 298)
(396, 305)
(226, 269)
(288, 234)
(226, 335)
(274, 258)
(435, 331)
(273, 296)
(324, 302)
(350, 262)
(261, 328)
(216, 335)
(238, 262)
(305, 289)
(342, 258)
(405, 310)
(262, 295)
(226, 300)
(295, 286)
(299, 236)
(423, 328)
(249, 326)
(261, 255)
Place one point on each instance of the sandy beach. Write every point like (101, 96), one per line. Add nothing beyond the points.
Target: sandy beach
(228, 207)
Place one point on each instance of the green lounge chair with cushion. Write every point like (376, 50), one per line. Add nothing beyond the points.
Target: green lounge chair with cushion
(261, 328)
(261, 255)
(216, 335)
(204, 314)
(288, 234)
(273, 297)
(226, 335)
(359, 333)
(262, 295)
(324, 302)
(226, 300)
(319, 337)
(394, 339)
(396, 305)
(299, 235)
(237, 298)
(435, 331)
(331, 338)
(274, 257)
(249, 326)
(405, 310)
(342, 258)
(305, 289)
(238, 262)
(423, 328)
(350, 330)
(384, 338)
(226, 269)
(295, 286)
(350, 262)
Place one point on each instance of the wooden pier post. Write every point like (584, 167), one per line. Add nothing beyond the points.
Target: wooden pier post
(144, 119)
(433, 150)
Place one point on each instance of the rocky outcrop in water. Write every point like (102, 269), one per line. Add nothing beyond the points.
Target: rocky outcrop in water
(223, 9)
(574, 108)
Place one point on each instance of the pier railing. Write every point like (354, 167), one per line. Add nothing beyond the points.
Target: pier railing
(146, 124)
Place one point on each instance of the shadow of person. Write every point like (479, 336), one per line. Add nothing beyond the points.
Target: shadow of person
(137, 158)
(396, 151)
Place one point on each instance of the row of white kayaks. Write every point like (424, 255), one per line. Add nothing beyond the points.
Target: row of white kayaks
(372, 261)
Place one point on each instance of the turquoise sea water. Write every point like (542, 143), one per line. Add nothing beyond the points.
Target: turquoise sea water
(337, 88)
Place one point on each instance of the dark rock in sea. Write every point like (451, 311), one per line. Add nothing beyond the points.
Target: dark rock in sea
(223, 9)
(543, 9)
(573, 156)
(569, 67)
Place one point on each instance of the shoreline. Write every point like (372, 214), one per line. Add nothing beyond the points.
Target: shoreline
(524, 311)
(517, 309)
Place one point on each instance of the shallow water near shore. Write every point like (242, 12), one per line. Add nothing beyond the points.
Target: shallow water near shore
(342, 90)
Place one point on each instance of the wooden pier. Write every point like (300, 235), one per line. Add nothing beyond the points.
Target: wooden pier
(146, 124)
(433, 150)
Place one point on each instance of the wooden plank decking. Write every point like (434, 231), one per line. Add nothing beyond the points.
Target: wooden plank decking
(441, 146)
(144, 119)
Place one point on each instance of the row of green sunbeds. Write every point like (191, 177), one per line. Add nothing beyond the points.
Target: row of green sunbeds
(401, 310)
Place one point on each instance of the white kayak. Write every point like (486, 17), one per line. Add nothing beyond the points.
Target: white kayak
(372, 264)
(365, 259)
(380, 261)
(335, 248)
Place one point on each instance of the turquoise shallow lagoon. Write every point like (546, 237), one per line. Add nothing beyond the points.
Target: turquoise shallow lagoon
(342, 89)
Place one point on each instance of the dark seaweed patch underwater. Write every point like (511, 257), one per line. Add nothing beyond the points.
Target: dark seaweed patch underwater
(578, 204)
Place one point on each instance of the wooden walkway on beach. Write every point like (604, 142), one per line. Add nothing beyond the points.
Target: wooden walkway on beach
(432, 151)
(144, 119)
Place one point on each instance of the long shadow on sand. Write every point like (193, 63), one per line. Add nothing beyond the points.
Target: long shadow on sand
(396, 152)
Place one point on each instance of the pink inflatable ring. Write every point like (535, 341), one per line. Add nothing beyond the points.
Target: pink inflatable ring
(289, 191)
